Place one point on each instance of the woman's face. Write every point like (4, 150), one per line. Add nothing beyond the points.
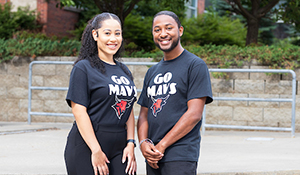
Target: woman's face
(108, 37)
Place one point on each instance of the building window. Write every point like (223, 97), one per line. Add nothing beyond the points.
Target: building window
(191, 8)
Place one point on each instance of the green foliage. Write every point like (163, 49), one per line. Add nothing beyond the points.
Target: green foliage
(266, 24)
(88, 12)
(225, 56)
(33, 47)
(296, 41)
(10, 22)
(25, 18)
(276, 57)
(27, 34)
(210, 28)
(4, 53)
(7, 25)
(291, 13)
(138, 24)
(137, 29)
(155, 54)
(149, 8)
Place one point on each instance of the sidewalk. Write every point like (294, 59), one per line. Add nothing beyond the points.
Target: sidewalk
(37, 149)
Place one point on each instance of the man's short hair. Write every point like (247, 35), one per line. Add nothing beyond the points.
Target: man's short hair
(169, 13)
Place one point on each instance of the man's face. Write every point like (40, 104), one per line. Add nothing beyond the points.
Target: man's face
(166, 34)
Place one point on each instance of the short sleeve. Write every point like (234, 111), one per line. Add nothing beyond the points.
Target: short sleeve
(143, 100)
(199, 83)
(78, 88)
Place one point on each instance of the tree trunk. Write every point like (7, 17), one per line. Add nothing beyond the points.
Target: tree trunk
(252, 31)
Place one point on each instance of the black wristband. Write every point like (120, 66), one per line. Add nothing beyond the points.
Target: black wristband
(131, 140)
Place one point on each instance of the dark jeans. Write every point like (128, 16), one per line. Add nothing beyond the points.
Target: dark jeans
(174, 168)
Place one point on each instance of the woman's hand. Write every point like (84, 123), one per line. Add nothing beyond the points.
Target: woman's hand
(99, 162)
(128, 154)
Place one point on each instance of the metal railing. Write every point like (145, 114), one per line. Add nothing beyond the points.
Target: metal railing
(292, 100)
(30, 87)
(204, 125)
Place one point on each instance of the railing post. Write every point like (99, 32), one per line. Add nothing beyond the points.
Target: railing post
(293, 103)
(29, 93)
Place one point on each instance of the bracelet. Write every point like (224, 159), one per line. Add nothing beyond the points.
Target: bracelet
(146, 140)
(131, 140)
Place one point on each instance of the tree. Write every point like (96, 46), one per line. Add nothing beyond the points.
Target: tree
(257, 10)
(289, 12)
(121, 8)
(254, 11)
(137, 26)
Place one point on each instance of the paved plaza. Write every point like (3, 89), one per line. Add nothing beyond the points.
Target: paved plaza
(37, 149)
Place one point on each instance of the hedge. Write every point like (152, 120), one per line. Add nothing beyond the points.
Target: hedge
(276, 57)
(33, 47)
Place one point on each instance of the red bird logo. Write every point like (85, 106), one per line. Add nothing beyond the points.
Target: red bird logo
(158, 104)
(121, 105)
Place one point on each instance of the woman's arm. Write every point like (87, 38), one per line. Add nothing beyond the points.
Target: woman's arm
(130, 127)
(86, 130)
(129, 149)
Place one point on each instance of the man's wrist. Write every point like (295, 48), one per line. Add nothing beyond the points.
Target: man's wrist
(147, 140)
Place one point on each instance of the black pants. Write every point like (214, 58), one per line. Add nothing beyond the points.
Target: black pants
(173, 168)
(112, 140)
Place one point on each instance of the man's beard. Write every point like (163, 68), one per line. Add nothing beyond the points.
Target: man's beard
(174, 44)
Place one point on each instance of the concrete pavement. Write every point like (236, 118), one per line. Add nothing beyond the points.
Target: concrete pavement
(37, 149)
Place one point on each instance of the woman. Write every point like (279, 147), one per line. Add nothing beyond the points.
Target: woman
(101, 94)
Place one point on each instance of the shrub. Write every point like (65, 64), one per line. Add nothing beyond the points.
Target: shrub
(33, 47)
(4, 53)
(10, 22)
(7, 25)
(276, 57)
(226, 56)
(210, 28)
(137, 29)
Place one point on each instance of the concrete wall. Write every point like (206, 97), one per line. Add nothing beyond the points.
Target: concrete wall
(14, 94)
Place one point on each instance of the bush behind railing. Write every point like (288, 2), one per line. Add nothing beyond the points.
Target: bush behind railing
(33, 47)
(224, 56)
(276, 57)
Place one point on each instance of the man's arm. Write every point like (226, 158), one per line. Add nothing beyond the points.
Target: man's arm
(151, 154)
(142, 124)
(184, 125)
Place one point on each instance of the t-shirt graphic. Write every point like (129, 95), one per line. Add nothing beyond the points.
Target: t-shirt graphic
(121, 105)
(160, 91)
(158, 104)
(123, 89)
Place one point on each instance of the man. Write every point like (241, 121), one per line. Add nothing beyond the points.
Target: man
(172, 101)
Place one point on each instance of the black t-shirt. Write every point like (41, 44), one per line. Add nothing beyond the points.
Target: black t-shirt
(108, 96)
(168, 86)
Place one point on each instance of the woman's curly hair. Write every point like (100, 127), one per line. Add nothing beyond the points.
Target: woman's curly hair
(89, 49)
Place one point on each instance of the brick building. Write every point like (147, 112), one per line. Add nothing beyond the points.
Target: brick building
(195, 7)
(56, 21)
